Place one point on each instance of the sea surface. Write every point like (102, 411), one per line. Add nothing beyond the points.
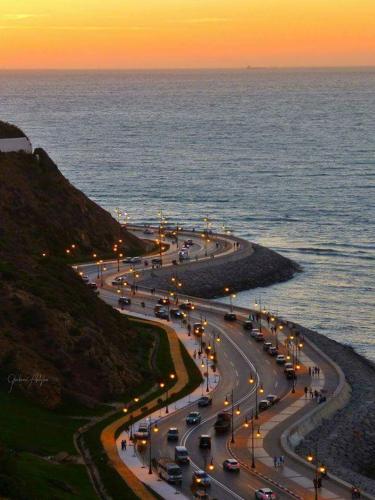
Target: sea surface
(285, 158)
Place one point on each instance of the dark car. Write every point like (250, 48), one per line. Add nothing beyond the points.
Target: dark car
(272, 398)
(263, 405)
(161, 313)
(266, 346)
(248, 325)
(205, 401)
(198, 329)
(272, 351)
(172, 434)
(230, 317)
(290, 374)
(205, 441)
(193, 418)
(157, 262)
(92, 285)
(176, 313)
(124, 301)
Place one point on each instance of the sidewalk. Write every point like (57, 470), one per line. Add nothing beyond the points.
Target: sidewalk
(131, 458)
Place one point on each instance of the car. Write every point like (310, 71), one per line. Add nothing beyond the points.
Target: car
(124, 301)
(290, 374)
(272, 351)
(247, 325)
(181, 455)
(127, 260)
(265, 494)
(280, 359)
(272, 398)
(142, 432)
(193, 418)
(148, 231)
(205, 401)
(92, 285)
(164, 301)
(232, 465)
(172, 434)
(186, 306)
(136, 260)
(287, 366)
(176, 313)
(264, 404)
(157, 262)
(198, 329)
(230, 317)
(259, 337)
(161, 313)
(117, 281)
(266, 346)
(189, 243)
(205, 441)
(85, 278)
(202, 478)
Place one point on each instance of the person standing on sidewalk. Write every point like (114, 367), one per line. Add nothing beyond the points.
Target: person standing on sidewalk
(306, 390)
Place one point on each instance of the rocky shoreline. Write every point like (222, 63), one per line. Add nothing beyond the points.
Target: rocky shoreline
(346, 442)
(254, 266)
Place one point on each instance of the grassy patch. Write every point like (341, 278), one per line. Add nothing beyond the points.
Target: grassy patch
(113, 483)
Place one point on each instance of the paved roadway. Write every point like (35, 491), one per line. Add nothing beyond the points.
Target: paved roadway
(238, 355)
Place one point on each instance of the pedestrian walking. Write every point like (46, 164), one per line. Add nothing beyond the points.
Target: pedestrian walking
(275, 462)
(306, 391)
(310, 371)
(282, 460)
(311, 393)
(318, 370)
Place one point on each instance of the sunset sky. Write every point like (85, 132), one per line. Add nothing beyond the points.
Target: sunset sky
(186, 33)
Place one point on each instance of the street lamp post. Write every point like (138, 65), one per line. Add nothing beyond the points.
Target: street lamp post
(260, 312)
(172, 376)
(151, 429)
(238, 412)
(319, 470)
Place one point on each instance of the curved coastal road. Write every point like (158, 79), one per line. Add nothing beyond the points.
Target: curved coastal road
(238, 354)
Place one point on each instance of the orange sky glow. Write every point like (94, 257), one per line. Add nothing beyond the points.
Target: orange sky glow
(186, 33)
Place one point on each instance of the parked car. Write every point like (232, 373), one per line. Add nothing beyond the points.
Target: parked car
(272, 398)
(266, 346)
(248, 325)
(205, 441)
(265, 494)
(172, 434)
(205, 401)
(254, 332)
(124, 301)
(161, 313)
(193, 418)
(176, 313)
(264, 404)
(232, 465)
(259, 337)
(230, 317)
(181, 455)
(280, 359)
(290, 374)
(287, 366)
(202, 478)
(272, 351)
(92, 285)
(142, 432)
(117, 281)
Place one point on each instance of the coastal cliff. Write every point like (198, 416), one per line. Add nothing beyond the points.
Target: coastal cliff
(54, 329)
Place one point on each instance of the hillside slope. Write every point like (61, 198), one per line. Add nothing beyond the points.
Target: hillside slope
(55, 334)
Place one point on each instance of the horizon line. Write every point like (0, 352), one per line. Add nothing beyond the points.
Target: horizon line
(195, 68)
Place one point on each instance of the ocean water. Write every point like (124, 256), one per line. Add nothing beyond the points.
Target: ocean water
(285, 158)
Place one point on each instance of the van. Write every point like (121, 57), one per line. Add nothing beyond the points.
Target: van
(205, 441)
(168, 470)
(181, 455)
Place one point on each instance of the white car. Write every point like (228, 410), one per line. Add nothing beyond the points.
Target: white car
(265, 494)
(232, 465)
